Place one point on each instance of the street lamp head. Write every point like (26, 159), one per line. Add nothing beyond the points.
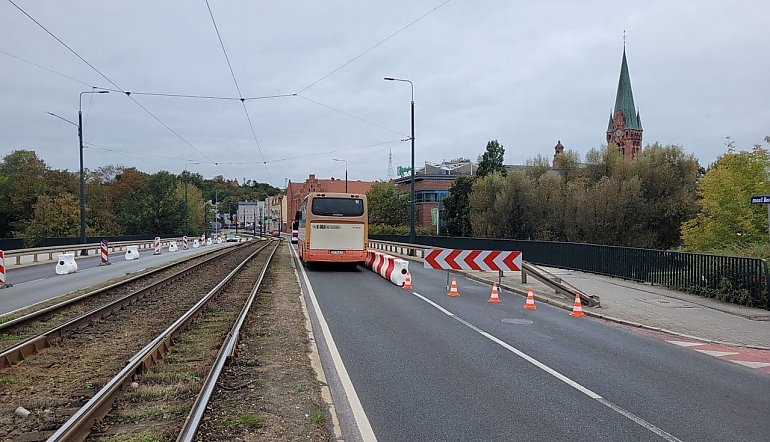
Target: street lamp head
(389, 78)
(102, 92)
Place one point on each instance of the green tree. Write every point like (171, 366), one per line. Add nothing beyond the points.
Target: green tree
(726, 217)
(456, 210)
(194, 207)
(387, 206)
(22, 180)
(155, 209)
(54, 216)
(492, 160)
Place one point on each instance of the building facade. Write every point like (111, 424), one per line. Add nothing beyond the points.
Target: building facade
(296, 192)
(625, 127)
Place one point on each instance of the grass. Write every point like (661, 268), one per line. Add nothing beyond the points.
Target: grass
(142, 437)
(318, 416)
(246, 421)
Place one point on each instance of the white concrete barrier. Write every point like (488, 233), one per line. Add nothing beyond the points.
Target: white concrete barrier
(132, 252)
(172, 247)
(389, 267)
(209, 241)
(66, 264)
(196, 243)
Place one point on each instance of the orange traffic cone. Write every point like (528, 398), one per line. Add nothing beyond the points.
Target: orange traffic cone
(494, 298)
(530, 304)
(453, 289)
(408, 282)
(577, 309)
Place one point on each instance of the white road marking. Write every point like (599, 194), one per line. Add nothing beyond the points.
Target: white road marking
(752, 364)
(718, 354)
(364, 427)
(557, 375)
(686, 344)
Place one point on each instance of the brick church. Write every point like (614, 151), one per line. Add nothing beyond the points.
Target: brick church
(625, 127)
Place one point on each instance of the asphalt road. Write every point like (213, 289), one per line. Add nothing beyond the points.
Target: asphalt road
(431, 367)
(40, 282)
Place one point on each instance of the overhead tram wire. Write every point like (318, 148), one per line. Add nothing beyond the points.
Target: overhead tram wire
(110, 81)
(350, 115)
(149, 94)
(333, 71)
(294, 157)
(238, 88)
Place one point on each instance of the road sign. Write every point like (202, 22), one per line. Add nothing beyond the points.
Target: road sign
(760, 199)
(434, 216)
(479, 260)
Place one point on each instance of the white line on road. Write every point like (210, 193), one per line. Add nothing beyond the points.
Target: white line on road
(364, 427)
(556, 374)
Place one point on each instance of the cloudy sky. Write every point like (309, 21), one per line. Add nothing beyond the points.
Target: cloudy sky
(524, 73)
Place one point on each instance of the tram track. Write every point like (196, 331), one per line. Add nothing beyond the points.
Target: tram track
(56, 383)
(36, 330)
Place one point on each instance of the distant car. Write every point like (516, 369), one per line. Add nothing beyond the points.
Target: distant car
(294, 236)
(275, 233)
(232, 237)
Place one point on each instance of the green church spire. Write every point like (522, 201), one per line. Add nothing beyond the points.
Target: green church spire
(624, 100)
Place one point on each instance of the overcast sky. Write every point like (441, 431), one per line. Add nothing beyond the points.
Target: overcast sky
(525, 73)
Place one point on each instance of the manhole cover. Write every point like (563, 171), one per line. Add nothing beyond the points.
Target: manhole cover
(516, 321)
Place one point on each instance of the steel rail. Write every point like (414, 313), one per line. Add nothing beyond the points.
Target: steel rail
(227, 351)
(35, 344)
(32, 315)
(78, 426)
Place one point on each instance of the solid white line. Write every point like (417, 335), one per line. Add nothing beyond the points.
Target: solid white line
(364, 427)
(557, 375)
(718, 354)
(686, 344)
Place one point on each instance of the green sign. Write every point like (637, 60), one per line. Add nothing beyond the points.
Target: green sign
(401, 171)
(269, 218)
(434, 216)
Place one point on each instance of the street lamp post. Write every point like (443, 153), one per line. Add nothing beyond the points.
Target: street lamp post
(346, 172)
(412, 231)
(83, 252)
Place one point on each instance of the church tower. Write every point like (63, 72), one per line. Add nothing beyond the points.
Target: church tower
(625, 126)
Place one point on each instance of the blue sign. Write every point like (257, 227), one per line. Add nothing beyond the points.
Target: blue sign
(760, 199)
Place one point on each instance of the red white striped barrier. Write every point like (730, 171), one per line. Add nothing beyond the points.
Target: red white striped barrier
(478, 260)
(105, 252)
(2, 269)
(157, 245)
(389, 267)
(184, 242)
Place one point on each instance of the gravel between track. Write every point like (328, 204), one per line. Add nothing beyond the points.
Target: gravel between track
(270, 391)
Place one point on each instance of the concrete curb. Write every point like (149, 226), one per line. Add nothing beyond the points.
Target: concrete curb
(548, 300)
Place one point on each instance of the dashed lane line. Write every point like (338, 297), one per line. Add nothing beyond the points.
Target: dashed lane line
(643, 423)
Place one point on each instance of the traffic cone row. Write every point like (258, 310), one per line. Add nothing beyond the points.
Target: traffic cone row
(494, 298)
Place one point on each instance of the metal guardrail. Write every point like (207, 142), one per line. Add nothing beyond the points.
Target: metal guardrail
(740, 280)
(36, 252)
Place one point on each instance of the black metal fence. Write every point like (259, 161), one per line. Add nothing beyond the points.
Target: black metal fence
(727, 278)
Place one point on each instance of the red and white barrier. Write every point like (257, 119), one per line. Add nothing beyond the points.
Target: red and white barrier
(2, 269)
(389, 267)
(105, 252)
(157, 245)
(184, 242)
(478, 260)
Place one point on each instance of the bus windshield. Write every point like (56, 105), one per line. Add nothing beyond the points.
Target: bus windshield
(338, 206)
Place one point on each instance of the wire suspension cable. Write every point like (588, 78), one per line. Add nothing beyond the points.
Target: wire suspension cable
(350, 115)
(333, 71)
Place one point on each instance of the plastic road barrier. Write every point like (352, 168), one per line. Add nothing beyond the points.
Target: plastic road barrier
(196, 243)
(172, 247)
(132, 252)
(66, 264)
(105, 253)
(389, 267)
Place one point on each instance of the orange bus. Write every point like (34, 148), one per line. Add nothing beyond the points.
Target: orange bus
(332, 227)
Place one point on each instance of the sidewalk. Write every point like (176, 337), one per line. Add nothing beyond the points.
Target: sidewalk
(647, 306)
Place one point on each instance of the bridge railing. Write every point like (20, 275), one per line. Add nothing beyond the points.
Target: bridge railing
(734, 279)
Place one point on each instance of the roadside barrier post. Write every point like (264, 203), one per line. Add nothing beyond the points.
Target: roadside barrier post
(184, 242)
(157, 245)
(3, 283)
(105, 253)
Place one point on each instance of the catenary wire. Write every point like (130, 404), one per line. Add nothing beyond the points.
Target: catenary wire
(238, 88)
(350, 115)
(333, 71)
(110, 81)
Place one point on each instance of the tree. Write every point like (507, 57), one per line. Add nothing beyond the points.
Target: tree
(22, 180)
(155, 209)
(456, 211)
(492, 160)
(57, 216)
(387, 206)
(726, 217)
(194, 207)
